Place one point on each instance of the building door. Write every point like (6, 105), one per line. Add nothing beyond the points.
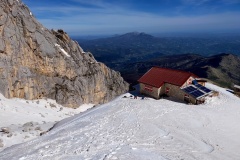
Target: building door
(186, 98)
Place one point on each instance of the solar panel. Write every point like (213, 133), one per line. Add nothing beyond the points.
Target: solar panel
(186, 90)
(200, 92)
(197, 93)
(189, 89)
(198, 85)
(205, 89)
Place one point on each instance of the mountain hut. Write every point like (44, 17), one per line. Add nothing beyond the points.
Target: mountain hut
(158, 82)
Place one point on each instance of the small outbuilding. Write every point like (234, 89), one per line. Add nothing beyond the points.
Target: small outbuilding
(182, 85)
(236, 89)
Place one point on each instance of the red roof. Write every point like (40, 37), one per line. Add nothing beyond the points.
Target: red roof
(157, 76)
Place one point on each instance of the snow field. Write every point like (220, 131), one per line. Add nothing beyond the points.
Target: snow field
(27, 119)
(127, 128)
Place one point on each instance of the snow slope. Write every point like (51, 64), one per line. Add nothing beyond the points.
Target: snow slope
(25, 119)
(133, 129)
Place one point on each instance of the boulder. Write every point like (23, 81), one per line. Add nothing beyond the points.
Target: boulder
(5, 130)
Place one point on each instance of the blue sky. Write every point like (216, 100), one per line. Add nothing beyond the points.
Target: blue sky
(106, 17)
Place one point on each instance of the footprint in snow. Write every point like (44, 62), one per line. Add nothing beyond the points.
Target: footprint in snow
(114, 157)
(118, 148)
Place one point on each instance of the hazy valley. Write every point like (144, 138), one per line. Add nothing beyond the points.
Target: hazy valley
(134, 53)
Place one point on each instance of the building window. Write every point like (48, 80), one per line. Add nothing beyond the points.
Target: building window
(167, 90)
(148, 88)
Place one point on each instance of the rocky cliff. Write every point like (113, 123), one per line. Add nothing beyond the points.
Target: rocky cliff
(36, 62)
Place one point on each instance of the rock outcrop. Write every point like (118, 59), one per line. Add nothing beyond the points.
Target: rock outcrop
(36, 62)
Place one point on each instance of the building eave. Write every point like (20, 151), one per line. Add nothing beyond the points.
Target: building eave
(151, 84)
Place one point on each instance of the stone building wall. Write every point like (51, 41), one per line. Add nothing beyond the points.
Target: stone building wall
(149, 90)
(174, 91)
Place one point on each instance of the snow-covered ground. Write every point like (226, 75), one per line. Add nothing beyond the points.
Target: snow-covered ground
(127, 128)
(24, 120)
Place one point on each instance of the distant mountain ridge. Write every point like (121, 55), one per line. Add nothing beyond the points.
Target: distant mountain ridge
(135, 46)
(136, 35)
(131, 47)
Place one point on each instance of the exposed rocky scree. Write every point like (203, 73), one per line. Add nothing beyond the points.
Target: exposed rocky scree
(36, 62)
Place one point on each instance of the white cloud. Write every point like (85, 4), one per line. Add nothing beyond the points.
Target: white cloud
(114, 19)
(115, 23)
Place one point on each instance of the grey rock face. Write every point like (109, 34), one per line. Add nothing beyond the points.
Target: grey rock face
(36, 62)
